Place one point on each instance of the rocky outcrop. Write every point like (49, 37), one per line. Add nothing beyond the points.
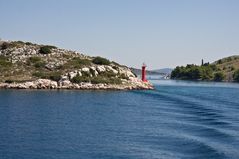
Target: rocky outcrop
(24, 66)
(133, 83)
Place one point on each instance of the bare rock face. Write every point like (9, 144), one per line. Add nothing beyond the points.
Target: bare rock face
(46, 83)
(94, 71)
(65, 84)
(72, 74)
(109, 68)
(132, 83)
(100, 69)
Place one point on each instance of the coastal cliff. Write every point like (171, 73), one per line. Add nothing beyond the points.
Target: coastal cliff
(24, 65)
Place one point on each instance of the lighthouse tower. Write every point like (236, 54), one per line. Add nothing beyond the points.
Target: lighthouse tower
(144, 73)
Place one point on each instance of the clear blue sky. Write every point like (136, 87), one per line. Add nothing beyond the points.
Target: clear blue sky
(162, 33)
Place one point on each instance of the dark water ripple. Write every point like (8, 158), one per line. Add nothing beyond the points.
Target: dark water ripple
(177, 120)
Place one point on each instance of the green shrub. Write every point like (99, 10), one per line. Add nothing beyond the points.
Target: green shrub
(46, 49)
(236, 76)
(38, 74)
(101, 61)
(79, 79)
(9, 81)
(36, 62)
(4, 62)
(40, 64)
(219, 61)
(219, 76)
(5, 45)
(34, 59)
(108, 74)
(55, 76)
(76, 63)
(29, 43)
(102, 79)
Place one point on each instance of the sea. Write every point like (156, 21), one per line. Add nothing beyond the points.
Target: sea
(177, 120)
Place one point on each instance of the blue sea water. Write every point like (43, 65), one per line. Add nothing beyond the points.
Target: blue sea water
(176, 120)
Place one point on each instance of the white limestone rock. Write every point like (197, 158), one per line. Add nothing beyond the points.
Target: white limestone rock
(72, 74)
(109, 68)
(85, 69)
(100, 69)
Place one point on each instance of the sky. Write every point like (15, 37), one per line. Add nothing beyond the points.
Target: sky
(161, 33)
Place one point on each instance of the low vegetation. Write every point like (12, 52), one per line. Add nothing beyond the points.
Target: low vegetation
(96, 80)
(100, 61)
(46, 49)
(76, 63)
(37, 62)
(194, 72)
(236, 76)
(55, 76)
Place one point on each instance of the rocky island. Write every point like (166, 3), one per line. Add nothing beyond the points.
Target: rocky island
(24, 65)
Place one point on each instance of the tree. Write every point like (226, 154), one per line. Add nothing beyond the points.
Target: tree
(100, 61)
(236, 76)
(46, 49)
(219, 76)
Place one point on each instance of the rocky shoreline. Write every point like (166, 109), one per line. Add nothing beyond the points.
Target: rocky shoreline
(133, 84)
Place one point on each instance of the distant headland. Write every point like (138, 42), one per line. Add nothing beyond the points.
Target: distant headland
(25, 65)
(226, 69)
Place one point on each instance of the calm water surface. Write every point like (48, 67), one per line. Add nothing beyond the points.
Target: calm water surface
(177, 120)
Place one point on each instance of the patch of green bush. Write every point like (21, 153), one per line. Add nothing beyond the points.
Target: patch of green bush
(219, 76)
(29, 43)
(34, 59)
(9, 81)
(46, 49)
(55, 76)
(39, 74)
(102, 79)
(40, 64)
(100, 61)
(108, 74)
(37, 62)
(5, 45)
(236, 76)
(96, 80)
(76, 63)
(4, 62)
(79, 79)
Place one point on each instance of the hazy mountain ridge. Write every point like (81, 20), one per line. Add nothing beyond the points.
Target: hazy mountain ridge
(163, 71)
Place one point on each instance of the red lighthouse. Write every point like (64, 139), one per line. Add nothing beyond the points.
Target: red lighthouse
(144, 73)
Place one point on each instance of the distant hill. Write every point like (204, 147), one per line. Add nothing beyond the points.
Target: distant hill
(163, 71)
(225, 69)
(228, 66)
